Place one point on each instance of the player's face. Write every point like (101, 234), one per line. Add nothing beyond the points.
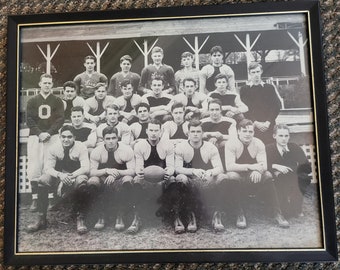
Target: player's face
(89, 64)
(255, 75)
(127, 91)
(215, 111)
(157, 87)
(46, 85)
(101, 92)
(187, 61)
(246, 134)
(112, 116)
(143, 114)
(69, 93)
(217, 58)
(178, 115)
(282, 137)
(189, 88)
(125, 65)
(153, 131)
(221, 84)
(77, 118)
(157, 58)
(110, 141)
(195, 134)
(67, 138)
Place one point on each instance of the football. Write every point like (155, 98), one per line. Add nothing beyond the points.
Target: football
(154, 174)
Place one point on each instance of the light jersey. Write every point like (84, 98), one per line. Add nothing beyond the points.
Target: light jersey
(226, 99)
(82, 133)
(197, 161)
(245, 157)
(111, 162)
(67, 164)
(179, 134)
(154, 158)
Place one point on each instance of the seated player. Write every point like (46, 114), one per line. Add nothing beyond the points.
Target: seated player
(70, 99)
(188, 71)
(199, 176)
(157, 69)
(138, 129)
(127, 102)
(154, 166)
(209, 72)
(112, 116)
(290, 166)
(95, 106)
(246, 164)
(158, 100)
(125, 74)
(191, 99)
(67, 166)
(232, 106)
(177, 129)
(112, 171)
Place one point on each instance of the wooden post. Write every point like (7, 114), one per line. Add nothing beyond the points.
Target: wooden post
(48, 56)
(98, 53)
(145, 51)
(301, 45)
(196, 49)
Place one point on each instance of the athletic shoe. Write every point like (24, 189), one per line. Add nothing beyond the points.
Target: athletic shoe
(100, 224)
(34, 205)
(241, 221)
(81, 227)
(119, 226)
(217, 222)
(39, 224)
(135, 226)
(283, 223)
(179, 227)
(192, 226)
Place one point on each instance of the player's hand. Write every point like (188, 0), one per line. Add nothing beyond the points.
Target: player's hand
(44, 136)
(208, 175)
(262, 126)
(95, 119)
(113, 172)
(200, 173)
(255, 177)
(213, 140)
(109, 180)
(256, 167)
(168, 172)
(230, 114)
(283, 169)
(140, 174)
(66, 178)
(188, 116)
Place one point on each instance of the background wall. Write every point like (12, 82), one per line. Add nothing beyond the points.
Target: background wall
(330, 12)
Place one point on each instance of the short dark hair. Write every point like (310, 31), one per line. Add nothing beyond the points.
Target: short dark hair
(216, 49)
(157, 49)
(189, 79)
(125, 83)
(101, 84)
(89, 57)
(71, 84)
(67, 128)
(125, 58)
(194, 123)
(155, 121)
(110, 130)
(157, 77)
(77, 109)
(244, 123)
(177, 105)
(215, 101)
(254, 65)
(280, 126)
(142, 104)
(220, 76)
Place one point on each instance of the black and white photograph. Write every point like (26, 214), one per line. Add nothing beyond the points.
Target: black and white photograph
(187, 134)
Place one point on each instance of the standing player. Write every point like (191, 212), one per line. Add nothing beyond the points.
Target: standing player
(95, 106)
(154, 166)
(45, 116)
(138, 129)
(67, 164)
(71, 99)
(209, 72)
(157, 69)
(188, 71)
(199, 169)
(263, 103)
(124, 74)
(246, 164)
(87, 81)
(112, 171)
(291, 169)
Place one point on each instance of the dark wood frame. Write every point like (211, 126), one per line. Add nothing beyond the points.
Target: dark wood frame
(328, 253)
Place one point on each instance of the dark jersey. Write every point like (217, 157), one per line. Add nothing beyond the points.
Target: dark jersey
(112, 163)
(222, 126)
(227, 99)
(67, 164)
(82, 134)
(245, 157)
(154, 102)
(197, 161)
(179, 134)
(210, 84)
(154, 158)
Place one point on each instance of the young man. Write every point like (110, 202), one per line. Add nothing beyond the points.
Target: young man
(70, 99)
(157, 68)
(263, 103)
(246, 164)
(158, 100)
(209, 72)
(127, 102)
(232, 106)
(154, 166)
(124, 74)
(290, 166)
(138, 129)
(112, 116)
(191, 99)
(67, 165)
(87, 81)
(95, 106)
(45, 116)
(112, 171)
(188, 71)
(199, 175)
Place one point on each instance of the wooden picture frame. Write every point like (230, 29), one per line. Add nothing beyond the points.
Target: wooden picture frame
(285, 36)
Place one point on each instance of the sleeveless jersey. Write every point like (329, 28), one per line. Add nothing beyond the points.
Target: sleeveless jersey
(154, 158)
(111, 162)
(67, 164)
(245, 157)
(197, 161)
(179, 134)
(190, 103)
(222, 127)
(128, 107)
(227, 99)
(82, 134)
(100, 108)
(142, 134)
(154, 102)
(69, 106)
(210, 84)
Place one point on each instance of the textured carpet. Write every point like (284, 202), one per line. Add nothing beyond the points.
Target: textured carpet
(330, 12)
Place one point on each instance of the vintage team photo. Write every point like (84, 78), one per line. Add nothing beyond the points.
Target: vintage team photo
(186, 134)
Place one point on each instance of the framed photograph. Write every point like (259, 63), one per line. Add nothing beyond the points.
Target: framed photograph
(188, 134)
